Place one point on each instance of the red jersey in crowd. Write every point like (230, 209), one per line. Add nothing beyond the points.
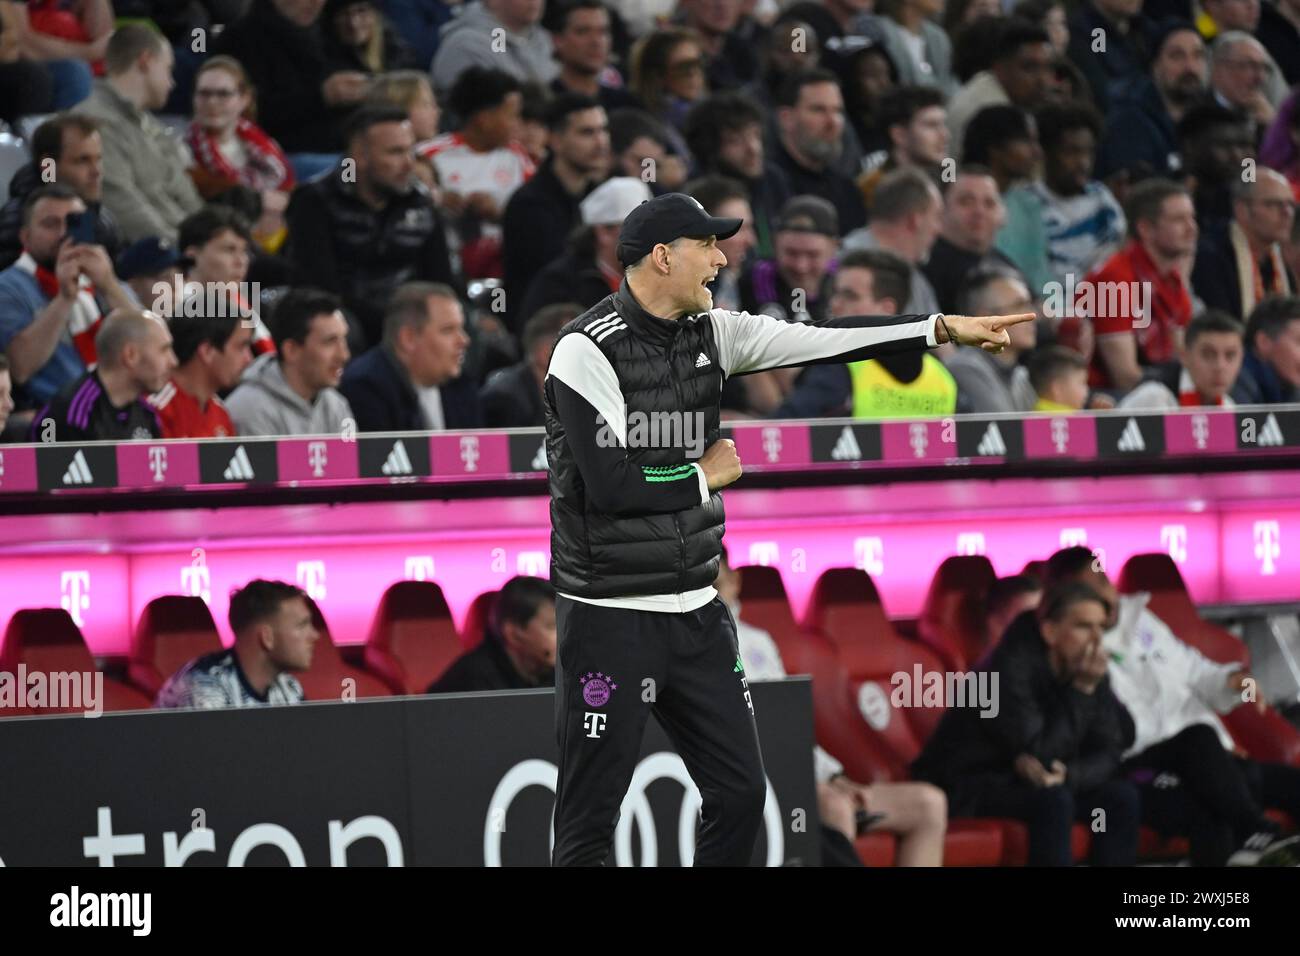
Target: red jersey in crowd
(181, 416)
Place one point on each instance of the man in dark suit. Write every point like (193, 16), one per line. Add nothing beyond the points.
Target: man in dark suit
(411, 380)
(518, 649)
(1240, 263)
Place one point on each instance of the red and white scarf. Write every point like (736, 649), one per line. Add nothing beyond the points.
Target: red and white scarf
(85, 317)
(266, 168)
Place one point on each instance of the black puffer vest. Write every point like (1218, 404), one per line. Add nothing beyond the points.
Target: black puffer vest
(598, 555)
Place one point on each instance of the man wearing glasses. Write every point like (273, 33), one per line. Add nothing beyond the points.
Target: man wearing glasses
(1240, 264)
(1241, 75)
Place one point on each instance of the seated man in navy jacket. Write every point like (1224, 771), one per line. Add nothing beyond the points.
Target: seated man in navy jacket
(1050, 754)
(518, 648)
(411, 380)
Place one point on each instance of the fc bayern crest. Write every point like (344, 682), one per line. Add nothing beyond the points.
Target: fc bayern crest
(596, 689)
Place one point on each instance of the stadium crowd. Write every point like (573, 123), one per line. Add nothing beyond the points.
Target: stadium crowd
(382, 211)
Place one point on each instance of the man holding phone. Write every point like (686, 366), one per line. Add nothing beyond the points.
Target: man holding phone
(50, 299)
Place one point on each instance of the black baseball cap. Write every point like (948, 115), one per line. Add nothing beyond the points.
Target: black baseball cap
(664, 219)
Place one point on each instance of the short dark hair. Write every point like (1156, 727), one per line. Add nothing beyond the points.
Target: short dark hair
(901, 104)
(518, 602)
(1145, 201)
(1005, 590)
(291, 321)
(546, 323)
(712, 191)
(480, 88)
(1066, 564)
(556, 18)
(127, 44)
(891, 277)
(628, 124)
(1056, 120)
(188, 333)
(1210, 321)
(52, 191)
(1049, 363)
(1272, 316)
(209, 222)
(1201, 120)
(1059, 599)
(259, 600)
(792, 88)
(561, 107)
(4, 363)
(713, 116)
(976, 281)
(409, 306)
(47, 140)
(991, 127)
(901, 193)
(1016, 33)
(364, 117)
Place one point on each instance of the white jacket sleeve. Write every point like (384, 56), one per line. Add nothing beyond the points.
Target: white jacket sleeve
(752, 343)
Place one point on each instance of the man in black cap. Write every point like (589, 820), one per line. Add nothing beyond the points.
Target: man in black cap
(631, 401)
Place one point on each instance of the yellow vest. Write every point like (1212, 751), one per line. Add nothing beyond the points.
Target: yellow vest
(877, 394)
(1047, 405)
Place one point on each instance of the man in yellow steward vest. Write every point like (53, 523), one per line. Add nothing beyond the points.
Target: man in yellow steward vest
(907, 385)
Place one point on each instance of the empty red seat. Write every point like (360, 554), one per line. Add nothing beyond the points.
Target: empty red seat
(764, 604)
(413, 638)
(48, 641)
(1266, 736)
(954, 619)
(325, 680)
(476, 620)
(172, 631)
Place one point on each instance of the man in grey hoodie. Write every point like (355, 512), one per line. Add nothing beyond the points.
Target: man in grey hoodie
(293, 391)
(520, 47)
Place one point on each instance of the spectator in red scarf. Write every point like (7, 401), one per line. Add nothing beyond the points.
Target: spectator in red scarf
(1157, 258)
(1212, 356)
(70, 37)
(231, 150)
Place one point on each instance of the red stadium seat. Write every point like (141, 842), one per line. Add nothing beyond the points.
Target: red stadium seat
(172, 631)
(413, 638)
(764, 604)
(954, 619)
(876, 849)
(47, 640)
(875, 740)
(476, 620)
(324, 680)
(1266, 736)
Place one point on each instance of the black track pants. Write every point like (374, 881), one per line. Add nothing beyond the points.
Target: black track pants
(614, 667)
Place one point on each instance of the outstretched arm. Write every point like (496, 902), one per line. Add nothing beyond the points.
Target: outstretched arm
(752, 343)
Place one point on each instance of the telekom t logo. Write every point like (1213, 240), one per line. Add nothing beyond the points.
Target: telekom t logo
(869, 555)
(74, 590)
(772, 444)
(594, 723)
(1173, 538)
(311, 578)
(469, 452)
(419, 567)
(1268, 545)
(918, 436)
(1073, 537)
(196, 579)
(317, 458)
(1201, 430)
(158, 461)
(970, 542)
(1060, 434)
(766, 553)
